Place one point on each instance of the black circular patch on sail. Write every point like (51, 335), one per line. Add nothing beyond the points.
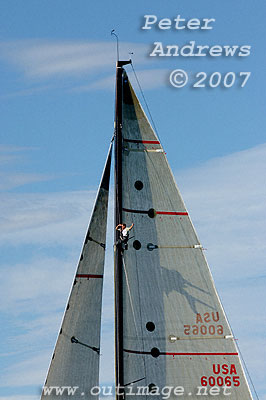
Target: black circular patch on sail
(136, 244)
(151, 213)
(155, 352)
(152, 388)
(138, 185)
(150, 326)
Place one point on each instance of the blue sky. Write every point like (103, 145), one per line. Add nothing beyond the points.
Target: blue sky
(57, 68)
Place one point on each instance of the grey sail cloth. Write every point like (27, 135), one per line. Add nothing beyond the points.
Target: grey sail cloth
(75, 362)
(175, 330)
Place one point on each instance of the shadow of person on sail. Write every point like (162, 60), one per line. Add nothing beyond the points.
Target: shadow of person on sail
(173, 281)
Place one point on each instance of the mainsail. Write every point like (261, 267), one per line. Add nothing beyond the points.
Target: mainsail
(171, 328)
(74, 367)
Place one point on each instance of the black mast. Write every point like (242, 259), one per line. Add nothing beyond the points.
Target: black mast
(118, 220)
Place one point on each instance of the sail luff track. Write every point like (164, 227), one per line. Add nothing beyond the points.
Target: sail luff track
(119, 362)
(119, 334)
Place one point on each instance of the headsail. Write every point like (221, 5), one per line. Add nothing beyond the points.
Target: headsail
(175, 332)
(75, 362)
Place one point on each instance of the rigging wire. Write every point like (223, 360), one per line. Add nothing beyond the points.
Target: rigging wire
(130, 297)
(156, 131)
(144, 99)
(134, 317)
(253, 386)
(149, 157)
(237, 346)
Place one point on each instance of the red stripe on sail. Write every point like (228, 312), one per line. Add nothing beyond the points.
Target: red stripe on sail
(199, 354)
(142, 141)
(182, 354)
(88, 276)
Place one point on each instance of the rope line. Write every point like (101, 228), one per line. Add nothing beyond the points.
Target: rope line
(247, 371)
(239, 351)
(149, 157)
(130, 297)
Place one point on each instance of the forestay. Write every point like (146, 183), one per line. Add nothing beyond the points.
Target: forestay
(75, 362)
(175, 330)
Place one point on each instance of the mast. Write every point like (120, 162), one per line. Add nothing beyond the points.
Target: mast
(119, 364)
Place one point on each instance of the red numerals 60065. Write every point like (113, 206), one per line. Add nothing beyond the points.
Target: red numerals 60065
(203, 329)
(219, 381)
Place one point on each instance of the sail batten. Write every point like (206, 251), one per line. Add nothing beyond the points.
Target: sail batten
(75, 363)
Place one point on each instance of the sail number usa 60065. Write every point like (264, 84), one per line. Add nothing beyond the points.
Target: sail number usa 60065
(222, 375)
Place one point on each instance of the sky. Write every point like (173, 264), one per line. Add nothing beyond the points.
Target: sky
(57, 77)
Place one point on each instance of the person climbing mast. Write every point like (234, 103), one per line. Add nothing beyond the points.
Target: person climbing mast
(124, 234)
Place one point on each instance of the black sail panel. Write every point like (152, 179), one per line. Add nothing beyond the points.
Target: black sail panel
(175, 329)
(75, 362)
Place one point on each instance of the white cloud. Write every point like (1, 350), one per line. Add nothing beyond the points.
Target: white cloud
(12, 149)
(226, 199)
(34, 286)
(9, 155)
(28, 92)
(24, 373)
(56, 218)
(46, 59)
(49, 218)
(148, 79)
(16, 179)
